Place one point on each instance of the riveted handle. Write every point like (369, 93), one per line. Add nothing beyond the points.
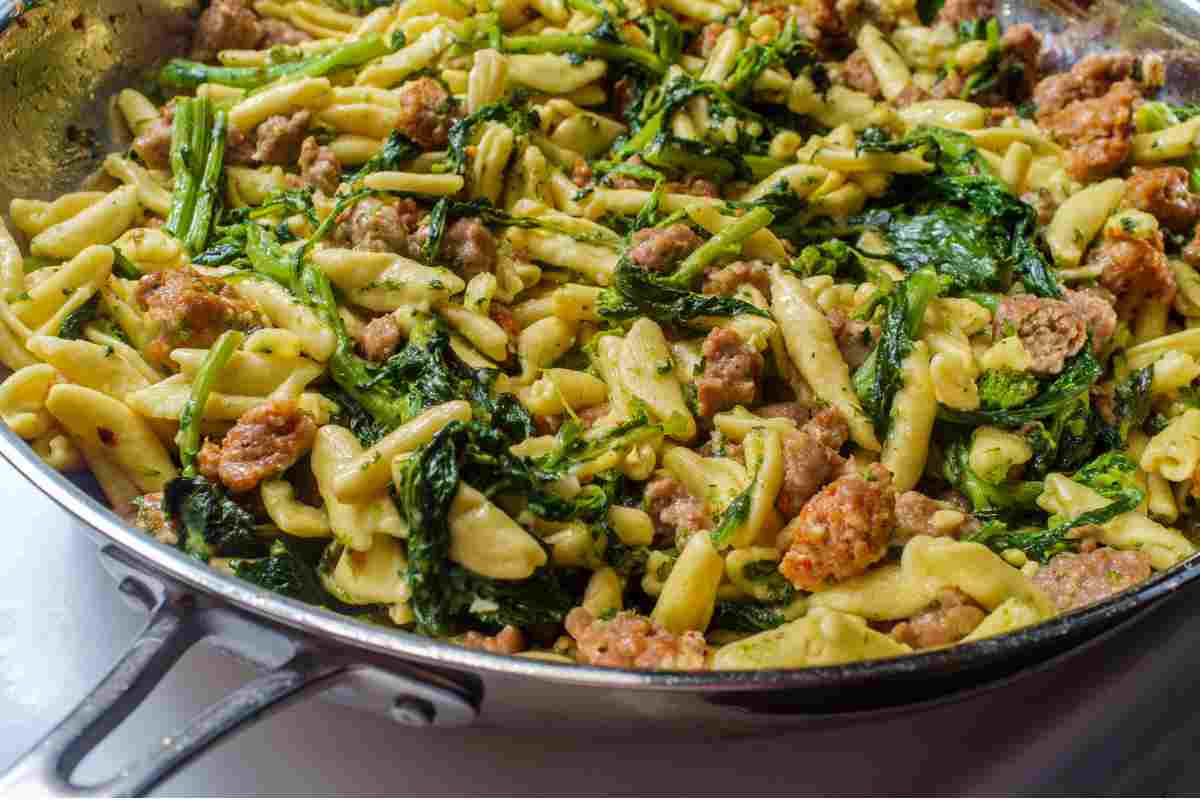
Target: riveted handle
(46, 770)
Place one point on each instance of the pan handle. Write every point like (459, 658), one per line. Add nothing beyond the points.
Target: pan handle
(175, 625)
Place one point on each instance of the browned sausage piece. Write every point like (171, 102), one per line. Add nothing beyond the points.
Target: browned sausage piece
(631, 641)
(1098, 131)
(152, 520)
(1095, 307)
(371, 224)
(379, 338)
(952, 616)
(732, 370)
(1075, 580)
(1164, 193)
(810, 460)
(659, 249)
(192, 309)
(319, 166)
(153, 144)
(277, 32)
(265, 442)
(280, 137)
(426, 113)
(1134, 269)
(225, 25)
(855, 338)
(673, 509)
(914, 517)
(726, 280)
(509, 641)
(470, 247)
(1050, 330)
(858, 75)
(955, 11)
(841, 531)
(794, 410)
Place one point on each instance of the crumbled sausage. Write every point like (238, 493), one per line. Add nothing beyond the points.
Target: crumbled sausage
(280, 137)
(371, 224)
(425, 113)
(703, 44)
(592, 414)
(509, 641)
(857, 74)
(1095, 307)
(225, 25)
(732, 370)
(855, 338)
(794, 410)
(276, 32)
(191, 309)
(1191, 251)
(319, 166)
(1098, 131)
(918, 515)
(1090, 78)
(152, 520)
(954, 12)
(1021, 46)
(952, 616)
(810, 460)
(725, 280)
(266, 441)
(912, 93)
(469, 246)
(1043, 204)
(693, 184)
(239, 148)
(673, 509)
(1072, 581)
(1050, 330)
(631, 641)
(950, 87)
(153, 144)
(819, 21)
(1163, 192)
(502, 315)
(841, 531)
(379, 338)
(658, 249)
(1134, 269)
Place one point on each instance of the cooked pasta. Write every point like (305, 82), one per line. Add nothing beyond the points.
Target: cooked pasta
(629, 336)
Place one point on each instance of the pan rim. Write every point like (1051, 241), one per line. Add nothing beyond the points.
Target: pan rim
(402, 644)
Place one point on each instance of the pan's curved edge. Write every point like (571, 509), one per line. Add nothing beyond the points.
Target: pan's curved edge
(1088, 622)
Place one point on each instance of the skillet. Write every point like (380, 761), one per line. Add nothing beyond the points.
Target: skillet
(59, 65)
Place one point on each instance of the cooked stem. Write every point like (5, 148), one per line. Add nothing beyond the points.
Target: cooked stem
(189, 421)
(210, 187)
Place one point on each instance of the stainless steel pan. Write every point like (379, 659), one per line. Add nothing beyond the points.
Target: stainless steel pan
(60, 63)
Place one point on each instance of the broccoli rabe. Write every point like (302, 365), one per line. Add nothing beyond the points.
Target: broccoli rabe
(636, 292)
(1053, 396)
(878, 380)
(73, 324)
(986, 495)
(1111, 475)
(183, 74)
(285, 571)
(1006, 388)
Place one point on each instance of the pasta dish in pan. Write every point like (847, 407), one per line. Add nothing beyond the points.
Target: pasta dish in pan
(697, 334)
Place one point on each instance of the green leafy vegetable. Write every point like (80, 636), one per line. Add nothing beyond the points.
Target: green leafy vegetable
(637, 292)
(879, 378)
(183, 74)
(213, 524)
(1006, 388)
(1077, 377)
(73, 324)
(283, 570)
(206, 376)
(986, 493)
(397, 151)
(508, 112)
(1130, 408)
